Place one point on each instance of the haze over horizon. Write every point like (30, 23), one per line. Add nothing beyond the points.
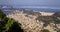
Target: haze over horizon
(32, 3)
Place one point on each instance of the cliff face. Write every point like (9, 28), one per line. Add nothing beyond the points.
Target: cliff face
(34, 22)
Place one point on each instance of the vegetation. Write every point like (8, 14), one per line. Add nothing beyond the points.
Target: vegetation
(45, 30)
(57, 14)
(9, 25)
(58, 31)
(45, 19)
(49, 19)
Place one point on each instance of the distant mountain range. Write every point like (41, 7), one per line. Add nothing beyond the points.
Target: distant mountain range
(8, 7)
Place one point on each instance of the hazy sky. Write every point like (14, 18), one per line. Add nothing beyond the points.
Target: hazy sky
(44, 3)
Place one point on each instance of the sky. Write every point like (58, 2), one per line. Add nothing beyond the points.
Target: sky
(34, 3)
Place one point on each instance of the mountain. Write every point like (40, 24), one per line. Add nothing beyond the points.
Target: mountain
(33, 21)
(43, 9)
(9, 7)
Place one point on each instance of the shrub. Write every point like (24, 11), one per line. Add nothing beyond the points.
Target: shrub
(45, 30)
(8, 25)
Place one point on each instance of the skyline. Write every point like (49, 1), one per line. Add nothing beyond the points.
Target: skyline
(39, 3)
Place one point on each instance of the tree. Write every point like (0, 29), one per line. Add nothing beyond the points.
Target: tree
(8, 24)
(2, 15)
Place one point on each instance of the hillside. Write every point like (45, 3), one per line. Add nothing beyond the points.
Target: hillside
(33, 21)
